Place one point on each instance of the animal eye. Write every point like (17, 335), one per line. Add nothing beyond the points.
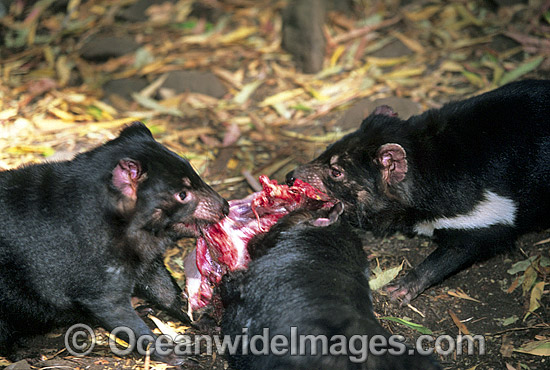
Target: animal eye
(181, 196)
(336, 172)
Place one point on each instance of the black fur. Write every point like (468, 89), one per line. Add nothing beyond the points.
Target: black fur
(79, 238)
(314, 279)
(497, 142)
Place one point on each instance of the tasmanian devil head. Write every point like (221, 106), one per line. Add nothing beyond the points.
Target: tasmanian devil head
(297, 219)
(365, 171)
(154, 189)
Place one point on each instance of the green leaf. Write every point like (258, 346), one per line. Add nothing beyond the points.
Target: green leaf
(537, 348)
(521, 266)
(95, 112)
(510, 320)
(522, 69)
(156, 129)
(536, 295)
(412, 325)
(382, 278)
(48, 151)
(187, 25)
(302, 108)
(473, 78)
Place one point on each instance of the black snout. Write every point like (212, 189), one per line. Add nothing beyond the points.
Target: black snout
(290, 178)
(225, 208)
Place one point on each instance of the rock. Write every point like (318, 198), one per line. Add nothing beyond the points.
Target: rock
(3, 10)
(355, 115)
(342, 6)
(501, 43)
(124, 87)
(303, 33)
(102, 47)
(19, 365)
(195, 81)
(501, 3)
(394, 49)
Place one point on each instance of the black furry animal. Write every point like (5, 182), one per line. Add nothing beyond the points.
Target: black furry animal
(474, 174)
(314, 279)
(79, 238)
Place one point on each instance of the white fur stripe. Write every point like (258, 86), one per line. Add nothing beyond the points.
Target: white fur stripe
(493, 210)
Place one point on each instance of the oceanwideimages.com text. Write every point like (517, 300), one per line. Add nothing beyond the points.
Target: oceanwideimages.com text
(80, 340)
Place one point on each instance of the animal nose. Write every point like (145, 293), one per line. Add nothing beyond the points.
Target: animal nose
(290, 178)
(225, 208)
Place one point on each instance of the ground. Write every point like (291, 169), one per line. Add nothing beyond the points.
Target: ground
(211, 81)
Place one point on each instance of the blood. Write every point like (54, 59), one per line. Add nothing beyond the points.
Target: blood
(223, 246)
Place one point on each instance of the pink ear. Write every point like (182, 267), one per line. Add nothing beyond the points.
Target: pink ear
(126, 176)
(385, 110)
(393, 159)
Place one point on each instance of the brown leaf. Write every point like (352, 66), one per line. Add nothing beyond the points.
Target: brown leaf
(507, 347)
(459, 293)
(231, 135)
(461, 326)
(536, 295)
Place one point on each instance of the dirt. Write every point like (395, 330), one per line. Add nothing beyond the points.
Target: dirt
(485, 282)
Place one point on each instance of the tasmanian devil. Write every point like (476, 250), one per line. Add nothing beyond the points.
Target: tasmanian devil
(474, 174)
(305, 303)
(79, 238)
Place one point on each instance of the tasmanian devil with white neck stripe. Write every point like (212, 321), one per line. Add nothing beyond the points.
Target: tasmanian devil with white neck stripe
(474, 174)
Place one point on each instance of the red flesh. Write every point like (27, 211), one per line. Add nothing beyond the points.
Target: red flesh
(222, 247)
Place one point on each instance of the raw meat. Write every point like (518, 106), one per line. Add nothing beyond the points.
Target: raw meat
(222, 246)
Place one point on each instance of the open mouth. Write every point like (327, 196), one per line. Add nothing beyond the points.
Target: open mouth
(191, 230)
(197, 227)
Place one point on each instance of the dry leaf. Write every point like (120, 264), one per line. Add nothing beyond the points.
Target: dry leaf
(507, 347)
(530, 276)
(460, 325)
(246, 91)
(404, 73)
(544, 241)
(537, 348)
(237, 35)
(387, 62)
(422, 14)
(383, 277)
(409, 42)
(514, 284)
(459, 293)
(164, 328)
(155, 105)
(281, 97)
(231, 135)
(536, 295)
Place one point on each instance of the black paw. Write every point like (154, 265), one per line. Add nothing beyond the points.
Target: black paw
(399, 293)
